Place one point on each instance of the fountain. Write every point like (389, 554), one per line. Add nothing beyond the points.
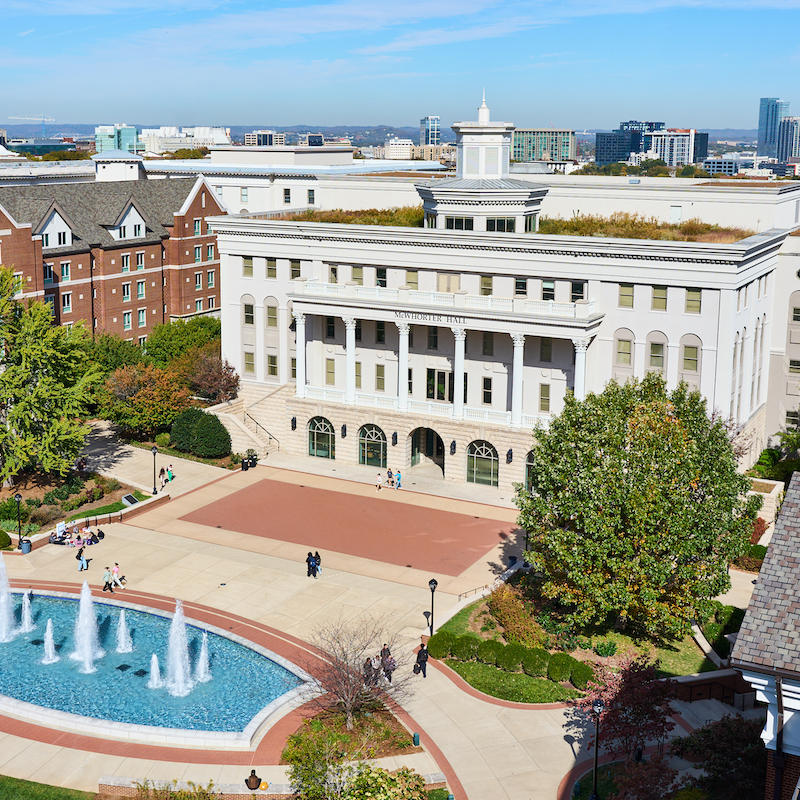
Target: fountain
(87, 649)
(124, 641)
(155, 681)
(6, 611)
(28, 624)
(179, 675)
(202, 673)
(50, 655)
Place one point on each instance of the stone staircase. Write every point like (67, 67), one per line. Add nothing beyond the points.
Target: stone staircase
(246, 434)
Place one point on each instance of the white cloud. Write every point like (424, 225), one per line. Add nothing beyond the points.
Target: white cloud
(25, 33)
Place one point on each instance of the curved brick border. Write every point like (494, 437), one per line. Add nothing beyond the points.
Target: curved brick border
(269, 747)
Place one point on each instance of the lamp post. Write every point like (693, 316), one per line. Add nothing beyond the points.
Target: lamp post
(432, 583)
(597, 707)
(154, 450)
(18, 498)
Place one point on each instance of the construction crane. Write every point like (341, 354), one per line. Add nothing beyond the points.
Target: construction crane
(39, 117)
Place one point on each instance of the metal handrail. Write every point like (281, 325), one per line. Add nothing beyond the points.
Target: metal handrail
(270, 437)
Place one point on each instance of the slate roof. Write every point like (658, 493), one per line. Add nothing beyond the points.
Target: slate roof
(88, 207)
(770, 634)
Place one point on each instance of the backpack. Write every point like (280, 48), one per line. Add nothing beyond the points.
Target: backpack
(78, 556)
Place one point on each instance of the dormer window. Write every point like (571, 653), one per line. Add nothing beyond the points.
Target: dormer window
(45, 240)
(123, 231)
(137, 231)
(62, 238)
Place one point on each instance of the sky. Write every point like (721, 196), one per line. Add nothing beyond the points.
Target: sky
(570, 63)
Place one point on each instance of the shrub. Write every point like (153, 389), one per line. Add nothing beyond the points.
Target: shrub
(606, 648)
(183, 427)
(162, 439)
(112, 485)
(50, 498)
(519, 627)
(8, 510)
(210, 438)
(5, 539)
(581, 674)
(98, 493)
(74, 483)
(9, 525)
(560, 667)
(75, 502)
(510, 658)
(62, 493)
(757, 551)
(236, 458)
(30, 528)
(535, 662)
(759, 528)
(488, 650)
(439, 644)
(46, 514)
(33, 502)
(464, 648)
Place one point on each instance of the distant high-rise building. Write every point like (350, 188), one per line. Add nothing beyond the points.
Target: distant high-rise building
(116, 137)
(677, 146)
(399, 149)
(771, 112)
(429, 131)
(619, 144)
(544, 144)
(788, 139)
(642, 127)
(265, 138)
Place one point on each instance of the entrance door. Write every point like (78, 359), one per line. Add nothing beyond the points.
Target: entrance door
(427, 447)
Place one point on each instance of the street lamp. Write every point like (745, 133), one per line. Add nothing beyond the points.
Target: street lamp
(154, 450)
(432, 583)
(597, 707)
(18, 498)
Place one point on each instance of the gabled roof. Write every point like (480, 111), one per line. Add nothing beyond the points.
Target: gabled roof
(90, 208)
(770, 633)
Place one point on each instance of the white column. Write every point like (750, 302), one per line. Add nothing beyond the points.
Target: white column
(581, 345)
(350, 360)
(300, 333)
(403, 329)
(460, 336)
(283, 346)
(516, 378)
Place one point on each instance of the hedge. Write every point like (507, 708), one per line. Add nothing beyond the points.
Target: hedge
(5, 539)
(560, 667)
(181, 432)
(488, 650)
(581, 674)
(510, 658)
(535, 662)
(464, 648)
(210, 438)
(439, 644)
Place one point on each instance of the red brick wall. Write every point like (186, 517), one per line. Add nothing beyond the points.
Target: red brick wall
(791, 774)
(21, 253)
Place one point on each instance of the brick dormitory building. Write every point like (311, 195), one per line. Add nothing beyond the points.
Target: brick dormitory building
(123, 253)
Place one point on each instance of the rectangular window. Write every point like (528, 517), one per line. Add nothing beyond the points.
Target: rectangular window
(411, 381)
(140, 289)
(487, 391)
(311, 197)
(66, 302)
(430, 385)
(545, 350)
(126, 292)
(249, 314)
(272, 316)
(412, 279)
(65, 270)
(250, 363)
(294, 269)
(486, 285)
(548, 290)
(690, 358)
(624, 352)
(488, 343)
(243, 194)
(294, 368)
(433, 337)
(330, 328)
(142, 317)
(330, 372)
(126, 320)
(198, 305)
(212, 302)
(501, 225)
(247, 266)
(272, 268)
(18, 283)
(520, 287)
(272, 366)
(458, 223)
(380, 277)
(358, 275)
(197, 227)
(140, 261)
(626, 295)
(659, 298)
(794, 367)
(198, 280)
(333, 274)
(380, 377)
(48, 274)
(792, 419)
(45, 240)
(544, 397)
(358, 374)
(657, 355)
(198, 254)
(577, 291)
(137, 231)
(358, 330)
(126, 263)
(210, 279)
(380, 333)
(62, 237)
(142, 340)
(693, 301)
(51, 301)
(287, 196)
(210, 252)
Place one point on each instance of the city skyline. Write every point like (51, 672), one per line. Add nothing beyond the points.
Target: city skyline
(575, 65)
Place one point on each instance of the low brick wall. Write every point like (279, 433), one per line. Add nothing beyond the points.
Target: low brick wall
(724, 685)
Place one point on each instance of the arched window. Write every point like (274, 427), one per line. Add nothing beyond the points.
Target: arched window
(529, 471)
(482, 463)
(321, 440)
(372, 446)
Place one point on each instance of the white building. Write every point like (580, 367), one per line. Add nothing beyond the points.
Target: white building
(264, 139)
(447, 344)
(399, 149)
(675, 146)
(168, 139)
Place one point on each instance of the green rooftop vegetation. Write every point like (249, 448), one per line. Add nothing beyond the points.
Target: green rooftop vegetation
(405, 217)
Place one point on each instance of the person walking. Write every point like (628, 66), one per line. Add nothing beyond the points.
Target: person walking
(398, 477)
(162, 476)
(422, 661)
(107, 587)
(378, 483)
(390, 478)
(170, 474)
(82, 558)
(311, 563)
(318, 559)
(116, 577)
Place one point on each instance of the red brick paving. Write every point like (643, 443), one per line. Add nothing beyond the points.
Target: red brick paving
(369, 527)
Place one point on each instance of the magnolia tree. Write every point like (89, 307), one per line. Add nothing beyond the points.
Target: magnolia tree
(636, 508)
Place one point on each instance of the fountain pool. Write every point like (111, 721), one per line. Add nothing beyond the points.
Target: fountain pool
(106, 691)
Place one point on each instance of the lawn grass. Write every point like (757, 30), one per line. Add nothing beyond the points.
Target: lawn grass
(458, 624)
(109, 509)
(13, 789)
(515, 686)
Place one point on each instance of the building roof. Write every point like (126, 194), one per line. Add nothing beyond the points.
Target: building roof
(116, 155)
(484, 184)
(770, 633)
(90, 208)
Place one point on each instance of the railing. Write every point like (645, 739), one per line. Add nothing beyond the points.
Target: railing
(260, 428)
(332, 395)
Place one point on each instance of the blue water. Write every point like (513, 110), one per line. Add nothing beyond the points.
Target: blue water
(243, 681)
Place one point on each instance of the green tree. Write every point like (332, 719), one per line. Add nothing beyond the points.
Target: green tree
(110, 351)
(636, 507)
(171, 340)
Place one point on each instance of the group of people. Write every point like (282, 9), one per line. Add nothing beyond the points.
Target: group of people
(112, 577)
(166, 476)
(314, 564)
(393, 480)
(380, 666)
(76, 538)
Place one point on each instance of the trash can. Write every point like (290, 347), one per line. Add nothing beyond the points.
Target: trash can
(245, 464)
(25, 544)
(253, 462)
(512, 560)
